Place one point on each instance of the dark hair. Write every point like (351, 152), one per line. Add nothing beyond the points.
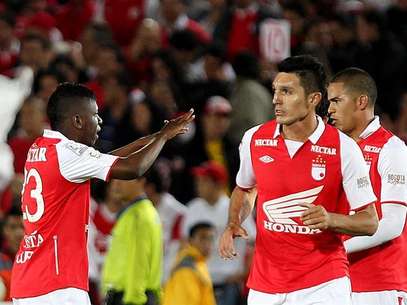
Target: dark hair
(246, 65)
(42, 73)
(160, 176)
(65, 97)
(184, 40)
(309, 70)
(8, 18)
(199, 226)
(357, 81)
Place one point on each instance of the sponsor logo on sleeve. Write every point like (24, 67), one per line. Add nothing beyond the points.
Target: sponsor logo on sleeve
(363, 182)
(76, 148)
(281, 211)
(94, 153)
(396, 179)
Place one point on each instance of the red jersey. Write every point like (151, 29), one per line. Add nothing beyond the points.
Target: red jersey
(55, 205)
(383, 267)
(289, 256)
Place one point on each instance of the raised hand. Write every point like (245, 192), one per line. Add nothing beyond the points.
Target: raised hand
(179, 125)
(226, 245)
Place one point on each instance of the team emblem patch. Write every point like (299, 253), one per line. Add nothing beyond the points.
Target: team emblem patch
(318, 168)
(266, 159)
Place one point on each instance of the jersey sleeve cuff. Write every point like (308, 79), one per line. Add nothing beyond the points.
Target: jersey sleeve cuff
(395, 202)
(107, 178)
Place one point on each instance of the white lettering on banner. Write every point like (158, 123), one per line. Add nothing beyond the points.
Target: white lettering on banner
(372, 149)
(36, 154)
(275, 39)
(323, 150)
(265, 142)
(280, 212)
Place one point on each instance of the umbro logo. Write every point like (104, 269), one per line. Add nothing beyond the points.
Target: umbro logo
(266, 159)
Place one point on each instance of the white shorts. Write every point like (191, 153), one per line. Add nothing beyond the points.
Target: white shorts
(335, 292)
(66, 296)
(387, 297)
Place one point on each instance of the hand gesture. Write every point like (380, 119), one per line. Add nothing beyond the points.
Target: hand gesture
(316, 217)
(178, 125)
(226, 246)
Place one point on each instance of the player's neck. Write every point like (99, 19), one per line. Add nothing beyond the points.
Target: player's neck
(362, 124)
(301, 130)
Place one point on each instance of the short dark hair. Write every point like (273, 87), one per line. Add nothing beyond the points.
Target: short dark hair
(246, 65)
(357, 81)
(309, 70)
(65, 97)
(199, 226)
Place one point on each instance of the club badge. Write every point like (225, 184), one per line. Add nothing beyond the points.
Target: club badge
(318, 168)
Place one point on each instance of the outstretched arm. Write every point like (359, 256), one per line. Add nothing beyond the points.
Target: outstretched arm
(137, 162)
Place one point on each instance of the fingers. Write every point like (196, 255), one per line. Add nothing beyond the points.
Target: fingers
(226, 247)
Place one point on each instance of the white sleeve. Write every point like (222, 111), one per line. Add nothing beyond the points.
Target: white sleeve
(78, 162)
(392, 167)
(355, 173)
(245, 177)
(390, 226)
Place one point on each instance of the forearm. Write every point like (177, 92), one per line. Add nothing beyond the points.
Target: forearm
(390, 226)
(241, 205)
(364, 222)
(137, 163)
(125, 151)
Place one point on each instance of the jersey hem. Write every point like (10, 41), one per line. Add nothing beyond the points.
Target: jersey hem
(394, 202)
(107, 178)
(38, 294)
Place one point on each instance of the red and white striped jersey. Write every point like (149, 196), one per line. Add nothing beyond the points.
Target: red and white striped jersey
(383, 267)
(55, 205)
(325, 170)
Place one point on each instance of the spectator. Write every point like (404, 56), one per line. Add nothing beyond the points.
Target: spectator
(146, 42)
(9, 44)
(174, 18)
(31, 121)
(212, 206)
(170, 210)
(133, 266)
(12, 235)
(102, 219)
(35, 52)
(13, 92)
(375, 41)
(239, 27)
(190, 282)
(251, 102)
(45, 82)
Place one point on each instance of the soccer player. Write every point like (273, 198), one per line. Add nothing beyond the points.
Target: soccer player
(378, 263)
(51, 267)
(303, 170)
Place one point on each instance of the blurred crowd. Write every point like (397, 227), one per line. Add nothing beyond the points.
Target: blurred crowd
(149, 60)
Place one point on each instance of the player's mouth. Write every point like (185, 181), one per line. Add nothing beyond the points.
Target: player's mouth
(278, 112)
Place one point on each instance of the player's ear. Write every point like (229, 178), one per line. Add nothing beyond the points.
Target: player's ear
(315, 98)
(362, 102)
(77, 121)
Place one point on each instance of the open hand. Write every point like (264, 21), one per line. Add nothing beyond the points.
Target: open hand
(179, 125)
